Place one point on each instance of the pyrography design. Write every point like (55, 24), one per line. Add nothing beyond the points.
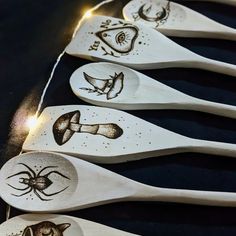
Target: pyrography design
(111, 87)
(44, 228)
(119, 37)
(66, 125)
(160, 17)
(36, 182)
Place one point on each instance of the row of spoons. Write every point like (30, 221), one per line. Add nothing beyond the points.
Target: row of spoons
(135, 45)
(42, 175)
(109, 136)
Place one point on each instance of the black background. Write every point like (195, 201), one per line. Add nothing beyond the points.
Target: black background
(34, 33)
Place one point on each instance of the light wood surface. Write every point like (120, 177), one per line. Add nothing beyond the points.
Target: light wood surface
(106, 135)
(174, 19)
(56, 225)
(89, 185)
(98, 84)
(137, 46)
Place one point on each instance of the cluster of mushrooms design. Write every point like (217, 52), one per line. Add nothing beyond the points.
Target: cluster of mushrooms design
(111, 87)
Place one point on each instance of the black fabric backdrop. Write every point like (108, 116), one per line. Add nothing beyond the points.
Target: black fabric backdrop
(34, 33)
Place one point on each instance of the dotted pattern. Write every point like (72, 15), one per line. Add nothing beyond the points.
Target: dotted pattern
(137, 136)
(91, 27)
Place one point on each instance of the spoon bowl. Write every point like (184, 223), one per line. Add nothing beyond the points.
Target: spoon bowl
(97, 83)
(136, 46)
(59, 225)
(174, 19)
(31, 177)
(107, 135)
(95, 186)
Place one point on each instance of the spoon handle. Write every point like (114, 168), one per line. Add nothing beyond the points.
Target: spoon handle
(211, 198)
(210, 107)
(229, 2)
(215, 66)
(213, 148)
(227, 34)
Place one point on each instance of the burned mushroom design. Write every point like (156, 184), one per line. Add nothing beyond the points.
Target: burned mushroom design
(111, 87)
(67, 124)
(45, 228)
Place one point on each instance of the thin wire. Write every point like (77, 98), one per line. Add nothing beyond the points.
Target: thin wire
(91, 10)
(8, 210)
(48, 83)
(60, 56)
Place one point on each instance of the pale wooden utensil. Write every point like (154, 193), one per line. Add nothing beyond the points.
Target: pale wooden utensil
(174, 19)
(112, 85)
(229, 2)
(55, 225)
(87, 185)
(106, 135)
(137, 46)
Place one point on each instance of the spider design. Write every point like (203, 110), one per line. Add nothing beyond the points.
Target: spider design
(36, 182)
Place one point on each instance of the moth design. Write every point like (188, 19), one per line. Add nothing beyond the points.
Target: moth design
(36, 182)
(111, 87)
(119, 38)
(44, 228)
(67, 124)
(160, 17)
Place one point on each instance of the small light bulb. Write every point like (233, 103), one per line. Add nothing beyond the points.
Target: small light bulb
(88, 14)
(31, 122)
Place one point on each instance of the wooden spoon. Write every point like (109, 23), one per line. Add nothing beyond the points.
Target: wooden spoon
(229, 2)
(106, 135)
(112, 85)
(87, 185)
(173, 19)
(55, 225)
(137, 46)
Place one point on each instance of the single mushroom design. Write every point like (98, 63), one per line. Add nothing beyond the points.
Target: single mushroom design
(66, 125)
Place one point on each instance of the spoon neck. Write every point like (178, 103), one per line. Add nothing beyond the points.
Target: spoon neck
(149, 193)
(201, 105)
(215, 66)
(213, 148)
(227, 33)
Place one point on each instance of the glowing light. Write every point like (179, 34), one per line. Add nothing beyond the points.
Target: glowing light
(31, 122)
(88, 14)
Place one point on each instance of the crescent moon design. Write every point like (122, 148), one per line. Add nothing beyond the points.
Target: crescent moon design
(160, 17)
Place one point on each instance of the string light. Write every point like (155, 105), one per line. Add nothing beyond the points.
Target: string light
(31, 122)
(88, 14)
